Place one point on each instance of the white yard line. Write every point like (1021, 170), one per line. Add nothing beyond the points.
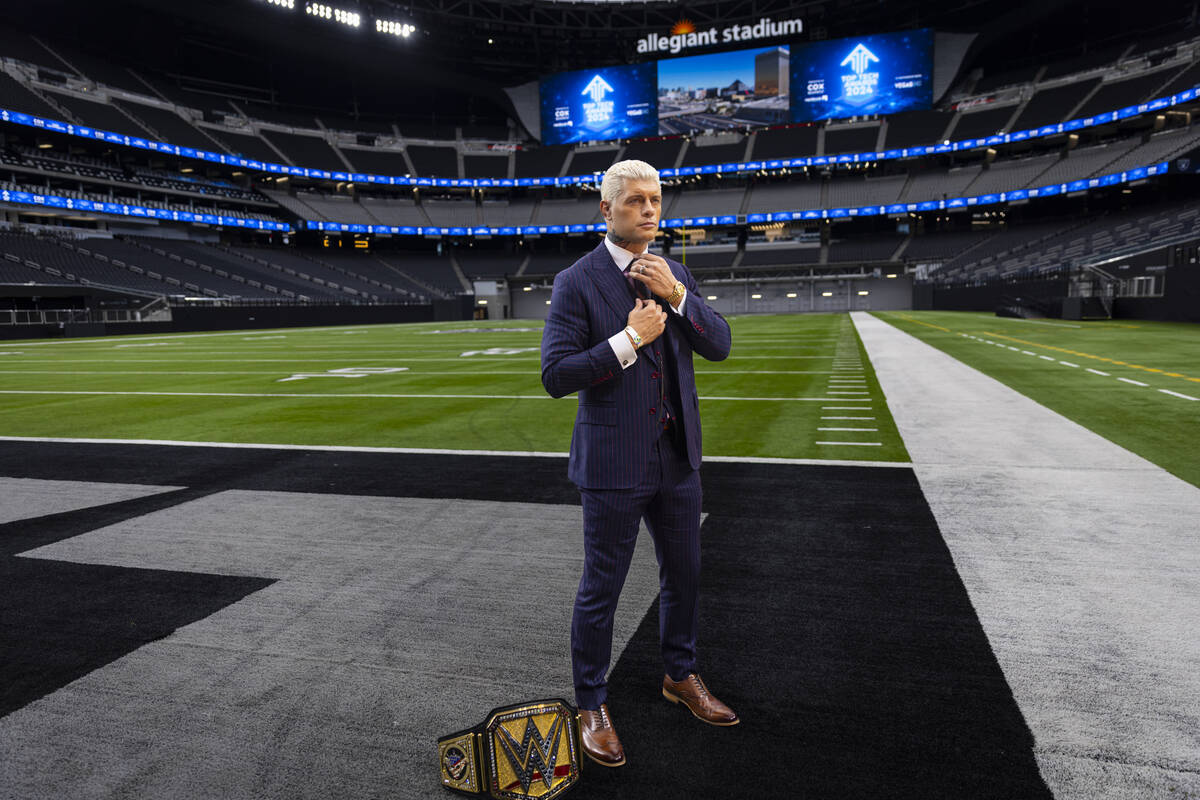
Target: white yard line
(466, 372)
(428, 451)
(377, 396)
(848, 429)
(854, 444)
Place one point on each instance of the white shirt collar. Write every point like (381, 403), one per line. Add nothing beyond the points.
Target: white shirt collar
(619, 254)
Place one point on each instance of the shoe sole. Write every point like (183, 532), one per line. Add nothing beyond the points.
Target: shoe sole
(680, 701)
(604, 763)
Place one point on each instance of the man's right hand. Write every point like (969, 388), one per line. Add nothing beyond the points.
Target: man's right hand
(648, 319)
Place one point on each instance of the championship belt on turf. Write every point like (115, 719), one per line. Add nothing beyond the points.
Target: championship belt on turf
(524, 750)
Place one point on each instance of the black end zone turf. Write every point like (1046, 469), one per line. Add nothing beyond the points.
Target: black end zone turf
(59, 621)
(833, 621)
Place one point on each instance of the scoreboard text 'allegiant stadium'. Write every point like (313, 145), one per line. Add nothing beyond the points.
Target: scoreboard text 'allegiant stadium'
(763, 29)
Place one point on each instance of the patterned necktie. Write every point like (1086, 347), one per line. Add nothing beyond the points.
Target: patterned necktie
(637, 287)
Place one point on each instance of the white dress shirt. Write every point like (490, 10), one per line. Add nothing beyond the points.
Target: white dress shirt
(626, 352)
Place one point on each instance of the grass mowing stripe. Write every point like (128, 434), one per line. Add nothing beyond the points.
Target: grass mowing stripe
(443, 401)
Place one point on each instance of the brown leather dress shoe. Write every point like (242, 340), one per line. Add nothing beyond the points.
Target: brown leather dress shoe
(600, 740)
(692, 692)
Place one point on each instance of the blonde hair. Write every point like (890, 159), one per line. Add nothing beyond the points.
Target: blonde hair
(629, 169)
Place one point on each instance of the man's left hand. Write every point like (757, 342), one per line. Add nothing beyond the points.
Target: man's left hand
(653, 271)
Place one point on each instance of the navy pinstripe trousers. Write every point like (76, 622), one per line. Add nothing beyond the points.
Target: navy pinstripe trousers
(668, 498)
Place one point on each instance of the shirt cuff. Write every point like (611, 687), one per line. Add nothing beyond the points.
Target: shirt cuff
(682, 300)
(625, 351)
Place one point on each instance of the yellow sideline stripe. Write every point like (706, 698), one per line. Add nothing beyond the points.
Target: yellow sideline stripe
(926, 324)
(1096, 358)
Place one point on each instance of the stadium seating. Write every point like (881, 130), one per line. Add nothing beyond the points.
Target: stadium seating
(541, 162)
(152, 107)
(429, 274)
(859, 139)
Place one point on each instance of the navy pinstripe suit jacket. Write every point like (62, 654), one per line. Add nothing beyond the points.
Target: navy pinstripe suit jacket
(615, 426)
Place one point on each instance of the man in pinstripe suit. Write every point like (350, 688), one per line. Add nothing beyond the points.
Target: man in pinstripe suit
(622, 327)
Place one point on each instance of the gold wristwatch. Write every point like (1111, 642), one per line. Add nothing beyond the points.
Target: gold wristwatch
(677, 293)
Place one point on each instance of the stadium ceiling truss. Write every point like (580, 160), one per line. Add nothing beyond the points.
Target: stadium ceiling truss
(622, 17)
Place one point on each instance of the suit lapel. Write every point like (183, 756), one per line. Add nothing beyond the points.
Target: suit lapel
(613, 288)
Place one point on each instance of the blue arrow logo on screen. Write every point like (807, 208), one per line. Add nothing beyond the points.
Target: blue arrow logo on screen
(597, 88)
(858, 59)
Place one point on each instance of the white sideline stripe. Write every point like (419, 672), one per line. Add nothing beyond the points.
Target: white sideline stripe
(1177, 394)
(856, 444)
(430, 451)
(837, 392)
(1131, 380)
(846, 408)
(1029, 352)
(848, 429)
(369, 396)
(1068, 364)
(1096, 372)
(847, 418)
(1046, 358)
(1014, 349)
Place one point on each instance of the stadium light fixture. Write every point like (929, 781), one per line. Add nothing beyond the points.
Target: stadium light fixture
(826, 294)
(791, 295)
(322, 11)
(711, 297)
(528, 289)
(395, 28)
(756, 297)
(891, 274)
(863, 294)
(289, 4)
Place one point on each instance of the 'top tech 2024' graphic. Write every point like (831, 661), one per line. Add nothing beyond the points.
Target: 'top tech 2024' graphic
(880, 74)
(598, 104)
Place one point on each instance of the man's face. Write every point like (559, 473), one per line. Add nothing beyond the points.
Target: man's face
(633, 216)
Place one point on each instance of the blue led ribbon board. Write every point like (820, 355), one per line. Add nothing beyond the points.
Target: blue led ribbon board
(881, 74)
(598, 104)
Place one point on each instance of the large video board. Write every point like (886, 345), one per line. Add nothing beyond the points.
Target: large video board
(598, 104)
(719, 91)
(880, 74)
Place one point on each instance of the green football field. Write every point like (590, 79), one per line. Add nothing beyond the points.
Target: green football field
(794, 387)
(1136, 383)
